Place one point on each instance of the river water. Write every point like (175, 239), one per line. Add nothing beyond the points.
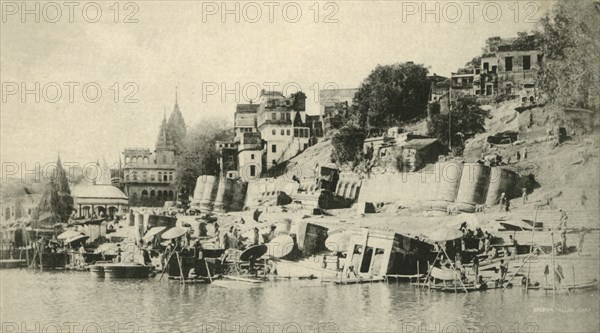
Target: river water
(36, 301)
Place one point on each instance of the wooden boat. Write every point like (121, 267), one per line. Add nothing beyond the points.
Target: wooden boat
(52, 260)
(196, 280)
(97, 269)
(583, 285)
(12, 263)
(131, 270)
(231, 284)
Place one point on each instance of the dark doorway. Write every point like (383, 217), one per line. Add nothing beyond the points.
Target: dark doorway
(366, 261)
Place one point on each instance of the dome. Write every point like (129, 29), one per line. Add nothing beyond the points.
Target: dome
(98, 191)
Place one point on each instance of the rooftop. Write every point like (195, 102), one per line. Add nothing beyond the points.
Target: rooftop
(250, 108)
(98, 191)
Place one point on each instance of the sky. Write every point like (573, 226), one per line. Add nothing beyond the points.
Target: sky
(136, 56)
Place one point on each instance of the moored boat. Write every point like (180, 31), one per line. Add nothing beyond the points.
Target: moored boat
(131, 270)
(12, 263)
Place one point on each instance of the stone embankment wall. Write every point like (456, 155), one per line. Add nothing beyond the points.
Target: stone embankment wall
(466, 184)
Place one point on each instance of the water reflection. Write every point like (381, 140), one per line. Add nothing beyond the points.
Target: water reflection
(31, 297)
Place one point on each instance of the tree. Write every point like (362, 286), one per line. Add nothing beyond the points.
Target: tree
(348, 144)
(466, 120)
(475, 62)
(199, 155)
(392, 93)
(570, 73)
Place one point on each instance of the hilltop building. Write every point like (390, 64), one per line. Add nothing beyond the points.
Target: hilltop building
(334, 106)
(267, 133)
(148, 177)
(509, 67)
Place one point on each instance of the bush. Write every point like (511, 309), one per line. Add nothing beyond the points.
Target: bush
(348, 144)
(465, 120)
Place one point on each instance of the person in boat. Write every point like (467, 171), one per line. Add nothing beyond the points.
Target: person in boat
(476, 267)
(513, 245)
(217, 234)
(198, 251)
(503, 270)
(563, 219)
(146, 256)
(256, 240)
(563, 239)
(119, 251)
(481, 284)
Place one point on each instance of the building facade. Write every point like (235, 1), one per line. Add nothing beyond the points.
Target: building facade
(334, 106)
(509, 67)
(148, 177)
(281, 122)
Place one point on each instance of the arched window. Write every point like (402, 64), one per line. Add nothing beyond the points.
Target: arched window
(140, 160)
(170, 195)
(165, 177)
(160, 176)
(152, 194)
(127, 160)
(146, 161)
(159, 194)
(134, 176)
(145, 175)
(134, 196)
(144, 194)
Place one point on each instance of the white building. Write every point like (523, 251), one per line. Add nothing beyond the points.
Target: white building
(281, 122)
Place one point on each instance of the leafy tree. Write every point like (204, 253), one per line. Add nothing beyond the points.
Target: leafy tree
(570, 73)
(475, 62)
(392, 93)
(466, 120)
(199, 155)
(348, 144)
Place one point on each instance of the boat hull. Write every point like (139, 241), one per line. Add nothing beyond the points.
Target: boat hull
(12, 263)
(97, 270)
(127, 271)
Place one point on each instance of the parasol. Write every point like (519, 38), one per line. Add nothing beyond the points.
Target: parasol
(254, 252)
(338, 242)
(445, 234)
(281, 246)
(79, 237)
(174, 232)
(152, 232)
(68, 234)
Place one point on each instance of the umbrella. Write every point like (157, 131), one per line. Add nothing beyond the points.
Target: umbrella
(68, 234)
(174, 232)
(338, 242)
(445, 234)
(153, 232)
(281, 246)
(79, 237)
(254, 252)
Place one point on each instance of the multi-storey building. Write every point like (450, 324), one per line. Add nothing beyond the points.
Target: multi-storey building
(281, 122)
(508, 67)
(148, 177)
